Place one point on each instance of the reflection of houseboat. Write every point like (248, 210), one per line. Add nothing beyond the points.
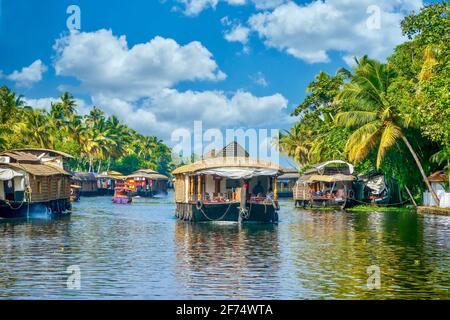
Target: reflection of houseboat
(87, 182)
(106, 182)
(286, 182)
(327, 184)
(33, 181)
(147, 183)
(74, 193)
(227, 187)
(122, 194)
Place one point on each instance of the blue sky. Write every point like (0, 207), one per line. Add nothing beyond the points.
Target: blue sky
(229, 63)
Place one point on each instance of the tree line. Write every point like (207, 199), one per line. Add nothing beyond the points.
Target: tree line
(97, 142)
(392, 117)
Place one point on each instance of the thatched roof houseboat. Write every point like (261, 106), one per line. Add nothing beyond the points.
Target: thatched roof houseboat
(106, 182)
(286, 182)
(227, 186)
(326, 184)
(33, 181)
(88, 183)
(147, 183)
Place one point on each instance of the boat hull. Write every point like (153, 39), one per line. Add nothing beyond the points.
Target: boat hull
(261, 213)
(52, 208)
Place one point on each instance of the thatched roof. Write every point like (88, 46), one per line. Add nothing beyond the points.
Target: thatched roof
(147, 173)
(84, 176)
(226, 162)
(335, 166)
(290, 175)
(20, 156)
(330, 178)
(438, 176)
(38, 151)
(113, 175)
(37, 169)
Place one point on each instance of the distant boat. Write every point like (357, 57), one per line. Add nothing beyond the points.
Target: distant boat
(327, 184)
(122, 194)
(227, 186)
(106, 182)
(147, 183)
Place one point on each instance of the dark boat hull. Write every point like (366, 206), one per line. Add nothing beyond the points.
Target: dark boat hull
(261, 213)
(52, 208)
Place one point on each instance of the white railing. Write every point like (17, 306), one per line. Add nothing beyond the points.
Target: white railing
(444, 199)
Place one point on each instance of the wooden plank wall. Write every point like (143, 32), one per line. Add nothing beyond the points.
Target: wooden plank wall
(51, 188)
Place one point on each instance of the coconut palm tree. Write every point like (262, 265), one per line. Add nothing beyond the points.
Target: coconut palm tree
(379, 124)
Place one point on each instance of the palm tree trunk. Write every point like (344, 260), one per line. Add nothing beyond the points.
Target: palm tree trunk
(99, 165)
(422, 172)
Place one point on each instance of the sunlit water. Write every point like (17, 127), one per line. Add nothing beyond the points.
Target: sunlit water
(140, 251)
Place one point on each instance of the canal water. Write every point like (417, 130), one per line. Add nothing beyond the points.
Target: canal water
(140, 251)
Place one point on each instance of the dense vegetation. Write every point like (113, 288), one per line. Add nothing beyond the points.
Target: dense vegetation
(393, 117)
(97, 142)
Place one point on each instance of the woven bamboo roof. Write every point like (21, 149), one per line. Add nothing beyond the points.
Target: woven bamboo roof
(34, 151)
(113, 175)
(38, 169)
(438, 176)
(20, 156)
(331, 178)
(226, 162)
(148, 173)
(84, 176)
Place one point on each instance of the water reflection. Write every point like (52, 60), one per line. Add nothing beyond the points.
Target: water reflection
(140, 251)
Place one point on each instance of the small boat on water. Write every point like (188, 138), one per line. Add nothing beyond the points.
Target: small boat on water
(74, 193)
(106, 182)
(122, 194)
(34, 182)
(327, 184)
(227, 186)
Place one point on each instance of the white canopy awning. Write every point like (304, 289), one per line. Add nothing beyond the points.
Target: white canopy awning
(8, 174)
(238, 173)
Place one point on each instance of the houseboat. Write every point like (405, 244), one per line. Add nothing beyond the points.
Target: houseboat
(122, 193)
(107, 181)
(286, 182)
(87, 182)
(34, 182)
(147, 183)
(374, 188)
(227, 187)
(74, 193)
(327, 184)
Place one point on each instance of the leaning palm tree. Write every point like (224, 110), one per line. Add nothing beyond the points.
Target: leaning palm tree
(379, 123)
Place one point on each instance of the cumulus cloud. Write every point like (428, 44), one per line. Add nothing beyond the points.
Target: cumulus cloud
(170, 109)
(104, 63)
(45, 103)
(28, 75)
(195, 7)
(352, 27)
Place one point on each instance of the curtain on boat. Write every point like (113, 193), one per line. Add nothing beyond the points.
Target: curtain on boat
(238, 173)
(9, 174)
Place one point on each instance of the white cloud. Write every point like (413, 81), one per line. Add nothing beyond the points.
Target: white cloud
(195, 7)
(28, 75)
(259, 79)
(103, 63)
(310, 32)
(170, 109)
(238, 34)
(45, 103)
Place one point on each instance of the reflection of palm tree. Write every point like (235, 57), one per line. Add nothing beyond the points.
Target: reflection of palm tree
(379, 123)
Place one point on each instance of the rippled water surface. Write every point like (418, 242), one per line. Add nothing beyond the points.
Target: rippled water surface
(140, 251)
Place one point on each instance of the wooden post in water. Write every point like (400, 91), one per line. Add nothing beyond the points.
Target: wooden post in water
(199, 188)
(275, 189)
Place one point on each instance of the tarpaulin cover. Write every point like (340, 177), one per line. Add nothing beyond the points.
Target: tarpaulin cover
(8, 174)
(238, 173)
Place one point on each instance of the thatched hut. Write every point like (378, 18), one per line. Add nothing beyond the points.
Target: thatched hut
(28, 181)
(147, 183)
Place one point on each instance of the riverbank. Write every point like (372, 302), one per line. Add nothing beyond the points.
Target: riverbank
(434, 210)
(369, 208)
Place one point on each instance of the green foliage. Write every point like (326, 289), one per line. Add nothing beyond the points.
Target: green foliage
(98, 142)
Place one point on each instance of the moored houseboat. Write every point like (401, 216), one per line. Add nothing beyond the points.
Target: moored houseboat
(327, 184)
(122, 193)
(286, 182)
(74, 193)
(107, 181)
(227, 187)
(147, 183)
(32, 182)
(88, 183)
